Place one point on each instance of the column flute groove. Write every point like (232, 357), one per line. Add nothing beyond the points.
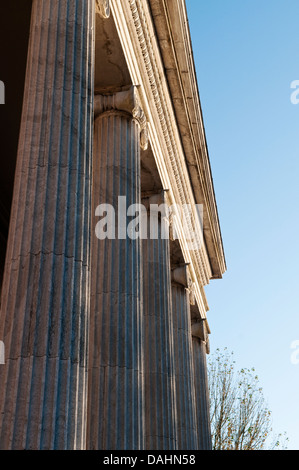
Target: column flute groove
(184, 367)
(116, 408)
(160, 392)
(200, 344)
(45, 296)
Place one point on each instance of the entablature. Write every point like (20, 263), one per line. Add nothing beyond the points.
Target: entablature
(152, 38)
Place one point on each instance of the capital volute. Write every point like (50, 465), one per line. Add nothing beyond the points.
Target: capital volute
(192, 297)
(156, 201)
(103, 8)
(172, 227)
(180, 275)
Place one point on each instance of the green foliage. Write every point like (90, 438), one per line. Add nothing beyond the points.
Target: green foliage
(240, 418)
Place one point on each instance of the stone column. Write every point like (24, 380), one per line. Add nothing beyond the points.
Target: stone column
(45, 296)
(200, 346)
(115, 409)
(160, 413)
(183, 359)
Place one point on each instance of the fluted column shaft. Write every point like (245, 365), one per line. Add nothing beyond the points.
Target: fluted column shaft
(202, 394)
(160, 411)
(184, 369)
(115, 410)
(45, 295)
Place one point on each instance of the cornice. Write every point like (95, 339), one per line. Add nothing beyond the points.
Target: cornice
(172, 29)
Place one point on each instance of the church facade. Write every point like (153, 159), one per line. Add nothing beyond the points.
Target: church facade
(109, 232)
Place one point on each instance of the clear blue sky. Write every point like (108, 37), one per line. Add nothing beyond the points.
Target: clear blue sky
(247, 54)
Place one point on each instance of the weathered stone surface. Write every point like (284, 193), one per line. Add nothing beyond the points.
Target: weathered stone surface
(184, 370)
(145, 390)
(45, 296)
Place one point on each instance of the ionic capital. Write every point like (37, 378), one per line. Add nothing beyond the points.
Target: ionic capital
(199, 330)
(103, 8)
(127, 102)
(159, 200)
(181, 275)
